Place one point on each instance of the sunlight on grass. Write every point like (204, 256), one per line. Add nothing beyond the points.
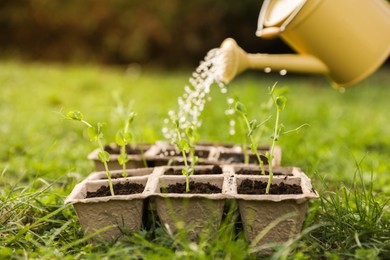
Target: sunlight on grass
(43, 157)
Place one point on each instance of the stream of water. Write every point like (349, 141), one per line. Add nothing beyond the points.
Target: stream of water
(196, 94)
(192, 102)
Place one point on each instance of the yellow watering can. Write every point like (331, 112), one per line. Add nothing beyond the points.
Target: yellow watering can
(344, 39)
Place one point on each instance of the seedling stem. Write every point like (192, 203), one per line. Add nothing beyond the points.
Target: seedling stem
(95, 134)
(280, 103)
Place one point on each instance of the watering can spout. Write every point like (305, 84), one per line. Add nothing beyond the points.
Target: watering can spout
(236, 60)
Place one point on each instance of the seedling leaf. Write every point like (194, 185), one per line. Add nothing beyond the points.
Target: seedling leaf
(240, 107)
(75, 115)
(119, 139)
(122, 159)
(122, 138)
(92, 134)
(184, 145)
(100, 129)
(189, 132)
(177, 125)
(131, 117)
(252, 127)
(280, 102)
(104, 156)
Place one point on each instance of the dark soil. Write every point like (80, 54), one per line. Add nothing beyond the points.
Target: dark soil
(239, 158)
(215, 170)
(119, 189)
(166, 161)
(129, 150)
(195, 187)
(161, 162)
(244, 171)
(257, 187)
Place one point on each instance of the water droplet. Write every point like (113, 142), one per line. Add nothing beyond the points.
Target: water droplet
(342, 90)
(267, 70)
(232, 132)
(283, 72)
(230, 101)
(229, 112)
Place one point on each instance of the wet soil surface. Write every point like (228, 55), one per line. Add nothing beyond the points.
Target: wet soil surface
(257, 187)
(244, 171)
(195, 187)
(215, 170)
(119, 189)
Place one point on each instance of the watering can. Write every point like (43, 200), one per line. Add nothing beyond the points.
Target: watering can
(347, 40)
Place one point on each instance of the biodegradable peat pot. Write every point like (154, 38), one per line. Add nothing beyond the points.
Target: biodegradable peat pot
(235, 155)
(112, 215)
(271, 217)
(136, 157)
(163, 153)
(198, 213)
(118, 174)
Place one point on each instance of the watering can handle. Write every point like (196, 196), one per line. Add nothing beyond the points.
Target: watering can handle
(272, 32)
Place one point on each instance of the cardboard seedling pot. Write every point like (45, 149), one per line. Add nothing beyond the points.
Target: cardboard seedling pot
(163, 153)
(211, 153)
(265, 218)
(274, 218)
(118, 174)
(136, 157)
(110, 216)
(234, 155)
(196, 213)
(147, 155)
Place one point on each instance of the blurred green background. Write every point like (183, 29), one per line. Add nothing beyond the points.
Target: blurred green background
(169, 34)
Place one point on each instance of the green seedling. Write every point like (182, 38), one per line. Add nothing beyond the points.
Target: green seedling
(95, 134)
(123, 138)
(252, 126)
(280, 103)
(192, 138)
(184, 144)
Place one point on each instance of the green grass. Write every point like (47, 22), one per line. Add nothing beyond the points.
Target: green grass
(345, 151)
